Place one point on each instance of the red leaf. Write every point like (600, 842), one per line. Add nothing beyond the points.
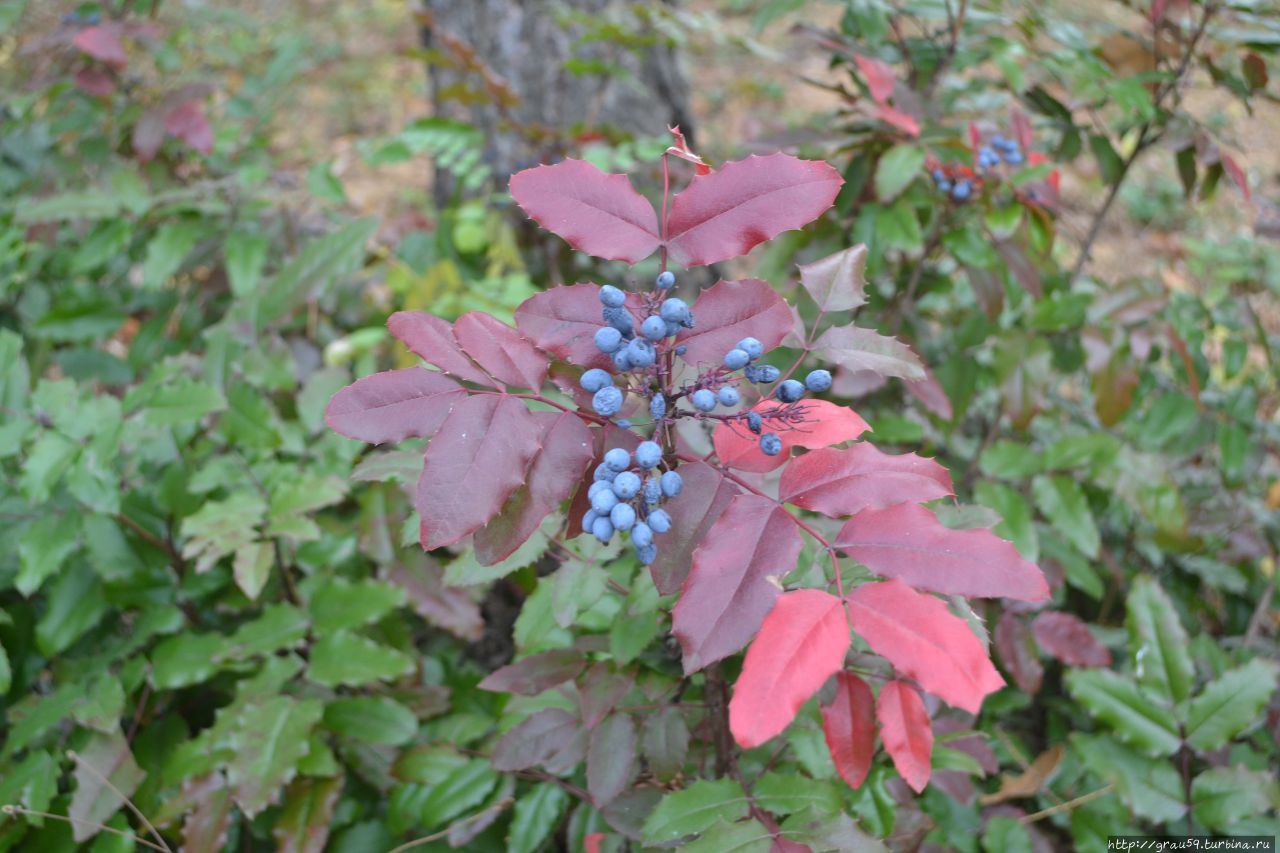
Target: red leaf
(849, 725)
(1069, 639)
(705, 496)
(148, 133)
(431, 339)
(1021, 126)
(681, 149)
(907, 541)
(826, 423)
(591, 843)
(975, 136)
(730, 311)
(500, 350)
(1237, 175)
(902, 121)
(393, 405)
(596, 213)
(735, 578)
(924, 640)
(536, 673)
(474, 464)
(802, 642)
(188, 123)
(563, 321)
(95, 81)
(566, 449)
(879, 76)
(1012, 642)
(906, 732)
(931, 395)
(726, 213)
(611, 758)
(103, 44)
(843, 482)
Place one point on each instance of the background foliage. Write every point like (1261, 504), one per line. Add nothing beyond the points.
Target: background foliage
(218, 605)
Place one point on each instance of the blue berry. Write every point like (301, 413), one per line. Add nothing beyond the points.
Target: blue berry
(607, 401)
(672, 484)
(818, 381)
(658, 407)
(602, 529)
(617, 459)
(597, 487)
(1013, 158)
(646, 554)
(999, 141)
(789, 391)
(945, 186)
(752, 347)
(962, 190)
(770, 444)
(622, 517)
(939, 176)
(648, 454)
(681, 350)
(673, 329)
(736, 359)
(620, 319)
(641, 353)
(674, 310)
(608, 339)
(659, 521)
(754, 422)
(641, 535)
(652, 491)
(623, 423)
(604, 474)
(627, 486)
(622, 359)
(589, 520)
(763, 373)
(612, 296)
(729, 396)
(595, 379)
(687, 322)
(665, 281)
(604, 501)
(654, 328)
(703, 400)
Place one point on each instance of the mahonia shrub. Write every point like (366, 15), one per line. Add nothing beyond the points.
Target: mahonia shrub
(608, 413)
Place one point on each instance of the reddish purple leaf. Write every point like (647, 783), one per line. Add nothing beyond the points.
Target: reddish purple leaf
(567, 446)
(1012, 642)
(551, 737)
(924, 640)
(475, 463)
(908, 542)
(95, 81)
(188, 123)
(431, 339)
(729, 312)
(800, 645)
(443, 606)
(1068, 638)
(735, 579)
(850, 728)
(148, 133)
(596, 213)
(879, 76)
(536, 673)
(705, 496)
(728, 212)
(611, 758)
(666, 742)
(843, 482)
(906, 732)
(825, 423)
(501, 350)
(1237, 176)
(837, 282)
(931, 395)
(600, 690)
(895, 117)
(103, 44)
(393, 405)
(563, 321)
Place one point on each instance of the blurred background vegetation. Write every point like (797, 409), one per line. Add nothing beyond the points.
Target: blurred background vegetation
(216, 607)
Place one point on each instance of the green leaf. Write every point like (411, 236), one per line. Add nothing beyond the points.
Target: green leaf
(373, 719)
(1016, 525)
(185, 659)
(536, 814)
(1223, 796)
(897, 168)
(1158, 642)
(346, 658)
(76, 603)
(44, 547)
(695, 809)
(340, 604)
(6, 672)
(637, 625)
(1006, 835)
(271, 736)
(1229, 704)
(1150, 787)
(249, 420)
(167, 250)
(32, 783)
(106, 774)
(788, 793)
(749, 836)
(46, 462)
(245, 253)
(1009, 460)
(281, 626)
(1109, 162)
(467, 571)
(1233, 448)
(1136, 717)
(1062, 501)
(305, 821)
(183, 401)
(252, 567)
(462, 789)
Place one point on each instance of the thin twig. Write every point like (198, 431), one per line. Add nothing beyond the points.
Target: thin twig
(80, 762)
(1067, 806)
(501, 805)
(16, 810)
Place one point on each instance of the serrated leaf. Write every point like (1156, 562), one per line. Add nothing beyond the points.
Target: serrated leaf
(271, 737)
(824, 424)
(666, 743)
(1063, 502)
(252, 567)
(906, 731)
(837, 282)
(1135, 716)
(611, 758)
(1223, 796)
(1158, 642)
(551, 737)
(304, 823)
(186, 659)
(856, 348)
(343, 658)
(848, 723)
(844, 482)
(432, 339)
(1229, 704)
(106, 773)
(339, 603)
(788, 793)
(563, 321)
(706, 494)
(695, 809)
(501, 350)
(1150, 787)
(532, 675)
(462, 789)
(393, 405)
(535, 815)
(749, 836)
(373, 719)
(183, 401)
(729, 311)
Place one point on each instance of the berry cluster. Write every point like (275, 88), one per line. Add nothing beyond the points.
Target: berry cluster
(959, 182)
(627, 498)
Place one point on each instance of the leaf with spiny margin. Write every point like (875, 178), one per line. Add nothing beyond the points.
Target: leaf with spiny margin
(106, 774)
(748, 836)
(706, 494)
(837, 282)
(502, 351)
(856, 348)
(431, 338)
(552, 737)
(1158, 642)
(666, 743)
(344, 658)
(695, 809)
(735, 579)
(1221, 797)
(1063, 502)
(822, 423)
(788, 793)
(838, 482)
(372, 719)
(1150, 787)
(1135, 716)
(535, 815)
(338, 603)
(531, 675)
(849, 726)
(271, 737)
(611, 758)
(462, 789)
(729, 311)
(1229, 704)
(393, 405)
(304, 823)
(906, 731)
(563, 321)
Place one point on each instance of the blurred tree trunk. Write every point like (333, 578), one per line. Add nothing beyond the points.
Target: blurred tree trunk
(522, 72)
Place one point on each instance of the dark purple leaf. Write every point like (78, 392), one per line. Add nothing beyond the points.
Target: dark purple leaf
(1067, 638)
(536, 673)
(188, 123)
(706, 494)
(730, 311)
(563, 321)
(611, 758)
(1012, 643)
(431, 339)
(843, 482)
(500, 350)
(599, 691)
(666, 743)
(393, 405)
(552, 737)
